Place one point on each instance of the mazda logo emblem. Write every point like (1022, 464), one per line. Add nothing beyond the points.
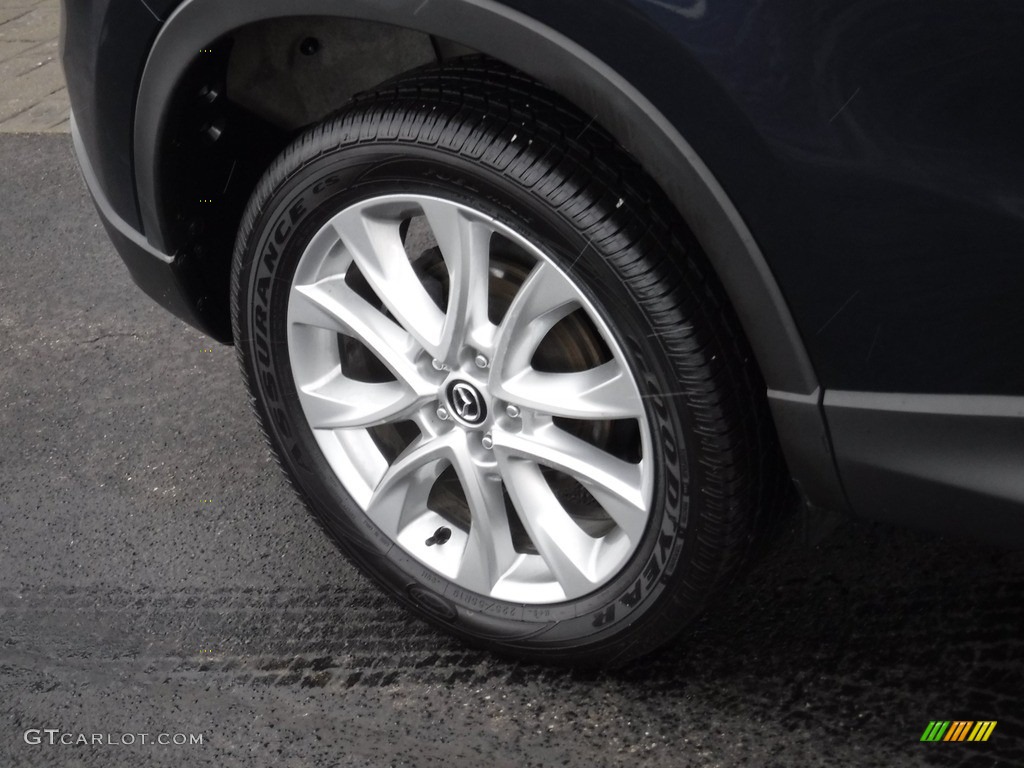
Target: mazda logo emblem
(466, 402)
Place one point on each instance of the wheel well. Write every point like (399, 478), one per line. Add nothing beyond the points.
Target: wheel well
(242, 99)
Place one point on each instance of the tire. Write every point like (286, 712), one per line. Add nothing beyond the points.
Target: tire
(592, 366)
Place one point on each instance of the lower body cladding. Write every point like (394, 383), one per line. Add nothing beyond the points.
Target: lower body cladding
(158, 274)
(951, 463)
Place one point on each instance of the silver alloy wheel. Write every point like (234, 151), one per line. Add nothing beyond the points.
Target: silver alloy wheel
(414, 374)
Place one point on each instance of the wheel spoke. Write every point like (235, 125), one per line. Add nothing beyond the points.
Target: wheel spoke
(403, 491)
(465, 245)
(489, 552)
(616, 484)
(405, 486)
(333, 305)
(604, 392)
(544, 298)
(343, 403)
(566, 549)
(376, 246)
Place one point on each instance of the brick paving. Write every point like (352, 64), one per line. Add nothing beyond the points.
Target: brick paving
(33, 97)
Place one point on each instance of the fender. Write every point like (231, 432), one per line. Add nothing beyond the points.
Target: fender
(590, 83)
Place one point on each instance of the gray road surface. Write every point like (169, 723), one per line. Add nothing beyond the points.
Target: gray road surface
(158, 576)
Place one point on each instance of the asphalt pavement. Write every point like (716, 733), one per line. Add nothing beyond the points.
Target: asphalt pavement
(158, 576)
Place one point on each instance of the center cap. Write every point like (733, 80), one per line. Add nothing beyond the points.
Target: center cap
(466, 403)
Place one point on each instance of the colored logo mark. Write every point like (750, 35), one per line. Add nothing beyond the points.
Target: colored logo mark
(958, 730)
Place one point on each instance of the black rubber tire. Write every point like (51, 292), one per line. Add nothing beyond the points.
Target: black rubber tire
(566, 185)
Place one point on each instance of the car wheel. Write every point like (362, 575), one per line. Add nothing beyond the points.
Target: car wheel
(492, 360)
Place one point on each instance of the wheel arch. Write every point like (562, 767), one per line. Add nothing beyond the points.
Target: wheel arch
(561, 64)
